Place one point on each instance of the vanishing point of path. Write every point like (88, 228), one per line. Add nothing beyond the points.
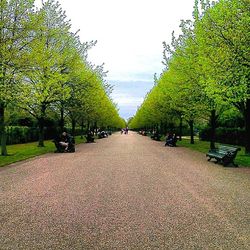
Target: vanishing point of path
(124, 192)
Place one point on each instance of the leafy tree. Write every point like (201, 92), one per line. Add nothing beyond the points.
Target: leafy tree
(206, 69)
(43, 84)
(223, 36)
(15, 35)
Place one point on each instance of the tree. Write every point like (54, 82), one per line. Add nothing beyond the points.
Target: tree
(223, 36)
(15, 35)
(43, 85)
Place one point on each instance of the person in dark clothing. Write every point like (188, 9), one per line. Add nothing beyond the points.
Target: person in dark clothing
(171, 140)
(126, 130)
(168, 139)
(65, 143)
(90, 137)
(174, 140)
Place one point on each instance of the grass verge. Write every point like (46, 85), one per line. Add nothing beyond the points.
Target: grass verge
(203, 146)
(25, 151)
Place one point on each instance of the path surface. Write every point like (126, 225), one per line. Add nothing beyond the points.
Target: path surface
(124, 192)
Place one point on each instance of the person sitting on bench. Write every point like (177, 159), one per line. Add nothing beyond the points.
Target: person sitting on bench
(65, 140)
(65, 143)
(90, 136)
(171, 140)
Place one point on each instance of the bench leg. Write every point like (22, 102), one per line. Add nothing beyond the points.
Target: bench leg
(216, 160)
(235, 165)
(226, 163)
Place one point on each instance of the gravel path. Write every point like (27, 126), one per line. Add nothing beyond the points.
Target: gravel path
(124, 192)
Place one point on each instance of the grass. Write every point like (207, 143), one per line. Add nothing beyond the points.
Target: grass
(25, 151)
(21, 152)
(203, 146)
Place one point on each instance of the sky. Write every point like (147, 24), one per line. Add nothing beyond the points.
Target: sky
(129, 38)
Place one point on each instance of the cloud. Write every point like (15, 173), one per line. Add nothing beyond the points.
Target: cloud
(129, 95)
(124, 100)
(130, 35)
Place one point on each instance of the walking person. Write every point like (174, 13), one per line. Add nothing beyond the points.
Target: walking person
(126, 130)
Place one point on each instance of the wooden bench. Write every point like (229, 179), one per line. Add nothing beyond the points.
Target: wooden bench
(223, 154)
(89, 138)
(156, 137)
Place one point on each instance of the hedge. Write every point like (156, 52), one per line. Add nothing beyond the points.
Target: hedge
(234, 136)
(22, 134)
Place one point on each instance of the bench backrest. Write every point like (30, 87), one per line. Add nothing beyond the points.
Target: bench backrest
(227, 150)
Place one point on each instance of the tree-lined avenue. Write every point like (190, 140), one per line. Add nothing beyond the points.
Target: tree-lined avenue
(124, 192)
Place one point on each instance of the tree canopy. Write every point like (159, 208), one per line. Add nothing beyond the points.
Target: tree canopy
(44, 69)
(206, 69)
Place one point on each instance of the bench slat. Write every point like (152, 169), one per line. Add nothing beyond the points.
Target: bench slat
(223, 153)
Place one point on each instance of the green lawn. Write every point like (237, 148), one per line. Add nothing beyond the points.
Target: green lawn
(203, 146)
(21, 152)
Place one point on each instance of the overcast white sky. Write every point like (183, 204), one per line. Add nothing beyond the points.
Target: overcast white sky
(130, 35)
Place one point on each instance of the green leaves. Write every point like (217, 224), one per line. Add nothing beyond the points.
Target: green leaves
(223, 38)
(206, 67)
(45, 63)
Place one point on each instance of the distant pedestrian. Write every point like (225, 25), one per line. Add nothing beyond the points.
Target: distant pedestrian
(126, 130)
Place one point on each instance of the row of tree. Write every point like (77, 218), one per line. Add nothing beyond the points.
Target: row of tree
(44, 69)
(206, 71)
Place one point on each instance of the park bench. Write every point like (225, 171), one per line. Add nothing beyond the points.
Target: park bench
(90, 138)
(171, 140)
(143, 132)
(156, 136)
(61, 149)
(223, 154)
(102, 134)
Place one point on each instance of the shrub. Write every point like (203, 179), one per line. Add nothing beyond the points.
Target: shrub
(24, 134)
(234, 136)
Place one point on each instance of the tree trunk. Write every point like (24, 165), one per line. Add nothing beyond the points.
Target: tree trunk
(3, 134)
(82, 126)
(41, 132)
(164, 128)
(95, 127)
(213, 119)
(180, 129)
(247, 119)
(73, 127)
(61, 125)
(191, 125)
(161, 128)
(41, 126)
(88, 125)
